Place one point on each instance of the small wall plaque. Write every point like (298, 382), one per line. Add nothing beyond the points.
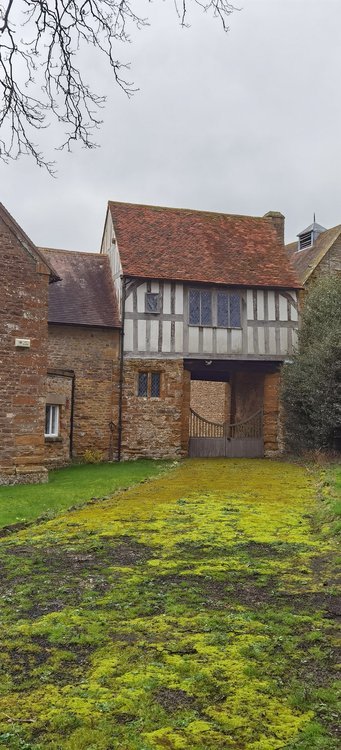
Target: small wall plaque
(23, 343)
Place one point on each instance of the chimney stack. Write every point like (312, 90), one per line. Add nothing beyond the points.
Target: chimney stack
(278, 221)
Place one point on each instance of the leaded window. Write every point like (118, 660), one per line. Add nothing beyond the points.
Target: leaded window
(214, 308)
(228, 310)
(223, 309)
(149, 384)
(155, 385)
(142, 386)
(235, 318)
(152, 302)
(200, 307)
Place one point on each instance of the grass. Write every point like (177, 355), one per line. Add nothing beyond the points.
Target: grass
(195, 611)
(71, 486)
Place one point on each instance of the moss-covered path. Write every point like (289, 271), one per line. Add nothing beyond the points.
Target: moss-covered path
(196, 611)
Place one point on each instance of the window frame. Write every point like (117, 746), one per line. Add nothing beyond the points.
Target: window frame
(50, 408)
(214, 308)
(149, 374)
(146, 297)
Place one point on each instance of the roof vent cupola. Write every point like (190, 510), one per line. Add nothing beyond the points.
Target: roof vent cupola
(308, 236)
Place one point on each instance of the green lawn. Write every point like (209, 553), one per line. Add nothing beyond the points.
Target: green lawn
(194, 611)
(71, 486)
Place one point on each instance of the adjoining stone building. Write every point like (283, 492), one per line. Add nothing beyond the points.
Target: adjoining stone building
(123, 343)
(24, 283)
(317, 252)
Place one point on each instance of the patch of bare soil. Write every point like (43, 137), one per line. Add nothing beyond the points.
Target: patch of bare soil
(173, 700)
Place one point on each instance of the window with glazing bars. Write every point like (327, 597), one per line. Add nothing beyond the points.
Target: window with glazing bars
(149, 384)
(228, 310)
(200, 307)
(142, 384)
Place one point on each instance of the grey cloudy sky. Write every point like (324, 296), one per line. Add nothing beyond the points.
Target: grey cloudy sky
(243, 122)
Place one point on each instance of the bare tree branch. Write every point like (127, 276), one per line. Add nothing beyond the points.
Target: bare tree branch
(41, 76)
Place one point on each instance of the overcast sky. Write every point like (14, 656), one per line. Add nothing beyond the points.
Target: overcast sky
(244, 122)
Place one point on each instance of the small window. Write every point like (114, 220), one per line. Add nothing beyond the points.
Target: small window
(142, 388)
(51, 420)
(152, 302)
(149, 384)
(200, 307)
(155, 385)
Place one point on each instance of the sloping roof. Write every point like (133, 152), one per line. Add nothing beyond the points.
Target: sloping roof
(85, 293)
(199, 246)
(305, 261)
(314, 227)
(25, 241)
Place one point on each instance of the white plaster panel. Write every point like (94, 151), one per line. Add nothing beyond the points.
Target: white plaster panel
(193, 339)
(141, 335)
(208, 340)
(283, 339)
(166, 336)
(272, 340)
(141, 297)
(249, 304)
(260, 304)
(294, 314)
(155, 287)
(236, 342)
(271, 306)
(250, 347)
(261, 340)
(154, 335)
(128, 336)
(129, 305)
(179, 337)
(179, 299)
(283, 308)
(221, 341)
(166, 299)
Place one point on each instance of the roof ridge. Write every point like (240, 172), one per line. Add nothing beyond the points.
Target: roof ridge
(191, 210)
(75, 252)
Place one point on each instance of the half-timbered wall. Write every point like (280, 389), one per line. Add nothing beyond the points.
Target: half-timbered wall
(268, 324)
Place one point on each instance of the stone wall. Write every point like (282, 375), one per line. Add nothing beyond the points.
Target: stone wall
(23, 314)
(271, 418)
(92, 353)
(155, 427)
(211, 400)
(59, 390)
(331, 263)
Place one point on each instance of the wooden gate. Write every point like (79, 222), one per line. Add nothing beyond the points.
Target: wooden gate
(240, 440)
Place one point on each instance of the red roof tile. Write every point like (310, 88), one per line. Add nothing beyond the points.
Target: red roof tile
(85, 295)
(200, 246)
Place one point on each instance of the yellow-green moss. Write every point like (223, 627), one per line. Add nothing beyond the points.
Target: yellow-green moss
(187, 612)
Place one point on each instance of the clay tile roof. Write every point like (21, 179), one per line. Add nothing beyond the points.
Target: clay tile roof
(199, 246)
(85, 295)
(305, 261)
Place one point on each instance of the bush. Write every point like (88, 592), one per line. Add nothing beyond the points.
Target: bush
(311, 391)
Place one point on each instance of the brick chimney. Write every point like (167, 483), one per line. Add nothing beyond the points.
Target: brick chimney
(278, 221)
